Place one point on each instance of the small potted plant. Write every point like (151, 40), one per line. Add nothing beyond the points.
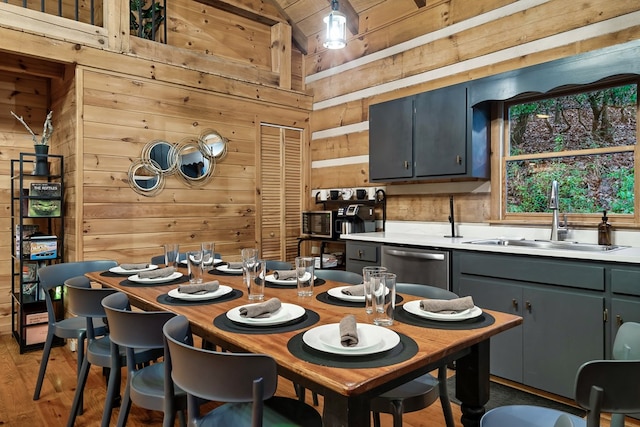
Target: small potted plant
(40, 146)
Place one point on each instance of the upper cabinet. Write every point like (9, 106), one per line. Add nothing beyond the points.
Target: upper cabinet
(429, 136)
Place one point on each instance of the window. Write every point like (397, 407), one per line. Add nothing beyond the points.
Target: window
(584, 138)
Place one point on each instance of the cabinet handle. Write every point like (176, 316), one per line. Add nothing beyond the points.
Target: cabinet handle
(528, 306)
(619, 320)
(360, 253)
(514, 303)
(458, 159)
(406, 164)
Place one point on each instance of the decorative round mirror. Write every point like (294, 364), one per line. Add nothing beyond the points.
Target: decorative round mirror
(212, 144)
(144, 180)
(160, 156)
(193, 166)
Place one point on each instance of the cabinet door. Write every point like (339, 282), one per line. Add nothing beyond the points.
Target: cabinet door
(390, 140)
(562, 330)
(506, 347)
(440, 132)
(623, 309)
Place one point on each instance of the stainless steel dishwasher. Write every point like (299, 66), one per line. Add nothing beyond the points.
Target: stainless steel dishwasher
(412, 265)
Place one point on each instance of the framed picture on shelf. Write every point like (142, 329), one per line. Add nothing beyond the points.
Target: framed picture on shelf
(50, 205)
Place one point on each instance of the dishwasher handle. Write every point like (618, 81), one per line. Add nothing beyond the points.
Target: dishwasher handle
(420, 255)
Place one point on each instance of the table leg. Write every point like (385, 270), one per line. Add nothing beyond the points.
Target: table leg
(341, 411)
(472, 383)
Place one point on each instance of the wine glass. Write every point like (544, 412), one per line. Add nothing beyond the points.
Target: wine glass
(249, 261)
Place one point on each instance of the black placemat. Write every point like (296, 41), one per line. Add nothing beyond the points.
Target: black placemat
(328, 299)
(268, 284)
(166, 299)
(402, 315)
(183, 279)
(216, 272)
(110, 274)
(309, 318)
(405, 350)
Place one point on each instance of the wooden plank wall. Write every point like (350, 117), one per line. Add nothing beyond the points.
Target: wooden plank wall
(458, 50)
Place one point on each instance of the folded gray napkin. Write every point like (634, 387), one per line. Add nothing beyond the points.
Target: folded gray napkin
(355, 290)
(199, 288)
(138, 266)
(262, 310)
(451, 306)
(284, 275)
(348, 331)
(158, 273)
(234, 265)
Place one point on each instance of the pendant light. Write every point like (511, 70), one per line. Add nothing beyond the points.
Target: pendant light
(336, 22)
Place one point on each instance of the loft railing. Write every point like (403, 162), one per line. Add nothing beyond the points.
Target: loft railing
(146, 19)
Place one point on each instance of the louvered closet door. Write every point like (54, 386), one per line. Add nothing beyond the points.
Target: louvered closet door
(280, 191)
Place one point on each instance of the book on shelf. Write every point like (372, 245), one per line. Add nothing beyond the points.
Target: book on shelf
(22, 236)
(45, 199)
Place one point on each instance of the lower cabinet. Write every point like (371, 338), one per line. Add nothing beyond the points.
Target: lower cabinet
(361, 254)
(546, 351)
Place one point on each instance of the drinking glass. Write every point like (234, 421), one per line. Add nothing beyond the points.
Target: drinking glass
(305, 276)
(249, 259)
(366, 280)
(195, 266)
(208, 253)
(383, 289)
(256, 280)
(171, 254)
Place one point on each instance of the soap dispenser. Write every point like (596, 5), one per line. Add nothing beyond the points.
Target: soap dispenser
(604, 231)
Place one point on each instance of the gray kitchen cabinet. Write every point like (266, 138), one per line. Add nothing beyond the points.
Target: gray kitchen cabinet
(361, 254)
(558, 301)
(625, 298)
(428, 136)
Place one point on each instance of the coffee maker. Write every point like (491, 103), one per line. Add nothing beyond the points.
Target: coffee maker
(355, 219)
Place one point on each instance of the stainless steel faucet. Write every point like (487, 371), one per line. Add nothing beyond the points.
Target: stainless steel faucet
(558, 232)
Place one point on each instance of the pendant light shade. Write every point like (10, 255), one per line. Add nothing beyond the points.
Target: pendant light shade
(336, 23)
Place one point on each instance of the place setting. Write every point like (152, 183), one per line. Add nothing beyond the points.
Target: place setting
(227, 268)
(457, 313)
(266, 317)
(128, 269)
(199, 294)
(349, 344)
(348, 296)
(158, 276)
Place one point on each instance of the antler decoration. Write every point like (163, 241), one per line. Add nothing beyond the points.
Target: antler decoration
(47, 129)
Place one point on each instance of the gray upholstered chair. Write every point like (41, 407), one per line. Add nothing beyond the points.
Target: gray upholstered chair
(339, 276)
(85, 301)
(247, 381)
(601, 386)
(50, 277)
(147, 386)
(278, 265)
(421, 392)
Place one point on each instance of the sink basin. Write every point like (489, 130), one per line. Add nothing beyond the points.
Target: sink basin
(548, 244)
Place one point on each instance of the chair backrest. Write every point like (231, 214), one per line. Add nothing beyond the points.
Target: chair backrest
(278, 265)
(86, 301)
(608, 386)
(159, 259)
(426, 291)
(339, 276)
(54, 275)
(135, 329)
(626, 345)
(211, 375)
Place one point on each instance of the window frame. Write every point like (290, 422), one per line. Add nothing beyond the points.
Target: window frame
(501, 145)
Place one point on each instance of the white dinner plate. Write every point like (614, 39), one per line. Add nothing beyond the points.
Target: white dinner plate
(120, 270)
(175, 275)
(222, 290)
(286, 313)
(325, 337)
(337, 293)
(215, 261)
(290, 282)
(225, 269)
(413, 307)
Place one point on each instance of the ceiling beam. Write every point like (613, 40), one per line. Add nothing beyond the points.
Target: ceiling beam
(353, 19)
(420, 3)
(300, 40)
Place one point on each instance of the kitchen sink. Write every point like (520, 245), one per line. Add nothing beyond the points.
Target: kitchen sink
(548, 244)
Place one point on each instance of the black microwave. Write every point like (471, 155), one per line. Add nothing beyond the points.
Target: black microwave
(319, 224)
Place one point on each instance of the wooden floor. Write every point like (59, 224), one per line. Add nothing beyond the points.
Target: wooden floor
(20, 371)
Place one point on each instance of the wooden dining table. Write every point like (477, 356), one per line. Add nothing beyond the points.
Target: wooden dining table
(346, 384)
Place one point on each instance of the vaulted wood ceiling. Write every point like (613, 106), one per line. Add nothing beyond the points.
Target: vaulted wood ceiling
(305, 16)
